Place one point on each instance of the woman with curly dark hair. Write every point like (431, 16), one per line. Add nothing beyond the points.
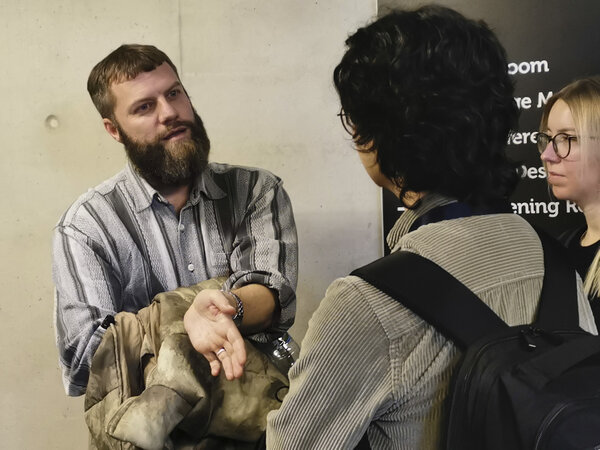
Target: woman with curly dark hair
(427, 99)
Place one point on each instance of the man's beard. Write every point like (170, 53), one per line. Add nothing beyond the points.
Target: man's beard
(168, 166)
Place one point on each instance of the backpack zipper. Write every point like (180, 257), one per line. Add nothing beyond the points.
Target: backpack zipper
(546, 424)
(549, 420)
(467, 378)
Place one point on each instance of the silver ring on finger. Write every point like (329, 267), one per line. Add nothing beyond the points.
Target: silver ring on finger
(218, 352)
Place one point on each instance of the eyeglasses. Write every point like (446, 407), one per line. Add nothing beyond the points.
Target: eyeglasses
(561, 143)
(346, 122)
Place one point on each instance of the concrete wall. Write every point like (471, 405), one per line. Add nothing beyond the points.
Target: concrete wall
(259, 73)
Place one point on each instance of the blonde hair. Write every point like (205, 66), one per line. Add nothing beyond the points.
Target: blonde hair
(583, 99)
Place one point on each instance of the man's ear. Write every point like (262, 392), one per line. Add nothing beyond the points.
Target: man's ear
(111, 129)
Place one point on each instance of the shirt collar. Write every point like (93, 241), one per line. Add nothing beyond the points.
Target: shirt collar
(206, 184)
(143, 194)
(404, 222)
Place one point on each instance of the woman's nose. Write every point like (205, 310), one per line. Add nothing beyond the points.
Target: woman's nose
(549, 154)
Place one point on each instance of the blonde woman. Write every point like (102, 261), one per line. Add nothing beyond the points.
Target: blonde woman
(569, 144)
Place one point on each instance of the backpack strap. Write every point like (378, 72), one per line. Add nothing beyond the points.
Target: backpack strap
(440, 299)
(558, 309)
(433, 294)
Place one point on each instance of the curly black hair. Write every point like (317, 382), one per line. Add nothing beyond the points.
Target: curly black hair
(429, 90)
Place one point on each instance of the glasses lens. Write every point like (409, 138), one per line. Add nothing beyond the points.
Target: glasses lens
(542, 141)
(562, 145)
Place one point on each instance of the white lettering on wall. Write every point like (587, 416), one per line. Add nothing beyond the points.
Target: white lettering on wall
(533, 173)
(522, 137)
(542, 100)
(526, 67)
(525, 102)
(572, 207)
(533, 207)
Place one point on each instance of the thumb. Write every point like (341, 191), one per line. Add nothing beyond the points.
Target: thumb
(225, 303)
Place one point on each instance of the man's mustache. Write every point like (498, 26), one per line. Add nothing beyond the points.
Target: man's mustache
(172, 127)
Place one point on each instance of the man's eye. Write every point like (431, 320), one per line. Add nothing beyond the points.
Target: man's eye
(174, 93)
(143, 108)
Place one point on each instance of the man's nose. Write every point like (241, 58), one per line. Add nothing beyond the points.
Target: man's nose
(166, 111)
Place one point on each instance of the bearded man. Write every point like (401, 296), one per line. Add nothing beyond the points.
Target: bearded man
(170, 219)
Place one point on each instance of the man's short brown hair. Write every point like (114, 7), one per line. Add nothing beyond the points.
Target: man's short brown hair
(124, 63)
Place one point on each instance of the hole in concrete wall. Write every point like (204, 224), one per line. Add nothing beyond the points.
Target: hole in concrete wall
(52, 122)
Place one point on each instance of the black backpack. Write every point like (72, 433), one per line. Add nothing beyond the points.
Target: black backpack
(532, 386)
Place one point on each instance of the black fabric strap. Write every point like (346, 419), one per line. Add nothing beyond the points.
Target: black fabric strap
(551, 364)
(433, 294)
(458, 209)
(558, 309)
(440, 299)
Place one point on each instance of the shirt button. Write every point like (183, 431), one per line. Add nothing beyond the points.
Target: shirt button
(191, 267)
(181, 227)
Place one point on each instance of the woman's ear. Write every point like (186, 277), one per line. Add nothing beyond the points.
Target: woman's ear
(410, 199)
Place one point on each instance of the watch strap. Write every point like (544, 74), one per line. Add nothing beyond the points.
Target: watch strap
(239, 314)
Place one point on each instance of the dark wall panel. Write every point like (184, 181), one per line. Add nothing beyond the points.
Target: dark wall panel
(549, 43)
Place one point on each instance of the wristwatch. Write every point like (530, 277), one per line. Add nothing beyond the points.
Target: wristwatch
(239, 314)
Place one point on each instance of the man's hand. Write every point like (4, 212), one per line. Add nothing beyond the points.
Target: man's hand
(212, 332)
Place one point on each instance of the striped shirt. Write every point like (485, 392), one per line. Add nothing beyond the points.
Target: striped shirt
(121, 243)
(368, 364)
